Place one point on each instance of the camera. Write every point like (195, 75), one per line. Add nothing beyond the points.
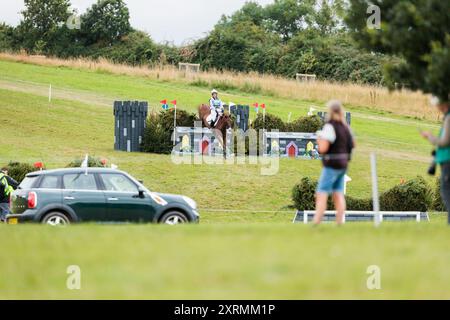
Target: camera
(432, 169)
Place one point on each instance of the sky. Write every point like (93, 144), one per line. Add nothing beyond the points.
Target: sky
(175, 21)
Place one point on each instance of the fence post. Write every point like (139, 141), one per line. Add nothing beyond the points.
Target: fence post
(375, 194)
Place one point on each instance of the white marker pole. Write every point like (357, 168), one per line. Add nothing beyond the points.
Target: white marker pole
(175, 126)
(375, 195)
(264, 118)
(50, 93)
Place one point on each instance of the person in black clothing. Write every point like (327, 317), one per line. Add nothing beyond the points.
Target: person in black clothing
(6, 185)
(336, 143)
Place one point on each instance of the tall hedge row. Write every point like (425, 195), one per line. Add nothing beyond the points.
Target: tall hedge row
(413, 195)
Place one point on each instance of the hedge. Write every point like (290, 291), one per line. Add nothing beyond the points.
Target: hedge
(309, 124)
(18, 170)
(93, 162)
(414, 195)
(438, 204)
(159, 130)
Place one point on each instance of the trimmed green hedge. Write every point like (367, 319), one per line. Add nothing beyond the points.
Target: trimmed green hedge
(159, 130)
(413, 195)
(309, 124)
(18, 170)
(93, 162)
(438, 204)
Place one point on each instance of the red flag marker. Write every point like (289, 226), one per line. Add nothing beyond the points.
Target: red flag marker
(174, 102)
(163, 102)
(263, 106)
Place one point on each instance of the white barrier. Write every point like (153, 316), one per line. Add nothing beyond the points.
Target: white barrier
(303, 216)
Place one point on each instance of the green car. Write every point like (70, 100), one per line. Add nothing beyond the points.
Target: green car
(64, 196)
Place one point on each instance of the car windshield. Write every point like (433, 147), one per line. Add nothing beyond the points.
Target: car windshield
(28, 182)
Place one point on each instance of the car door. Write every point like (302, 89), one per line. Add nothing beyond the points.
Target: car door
(124, 204)
(81, 192)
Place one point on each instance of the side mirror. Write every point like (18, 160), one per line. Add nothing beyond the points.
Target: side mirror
(141, 193)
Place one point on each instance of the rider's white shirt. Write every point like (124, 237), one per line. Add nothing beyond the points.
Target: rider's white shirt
(215, 104)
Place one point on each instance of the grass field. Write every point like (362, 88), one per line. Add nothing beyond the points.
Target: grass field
(229, 255)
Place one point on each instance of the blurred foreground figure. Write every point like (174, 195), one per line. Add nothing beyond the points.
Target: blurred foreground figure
(336, 143)
(442, 153)
(7, 185)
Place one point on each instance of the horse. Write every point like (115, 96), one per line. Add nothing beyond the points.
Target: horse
(222, 125)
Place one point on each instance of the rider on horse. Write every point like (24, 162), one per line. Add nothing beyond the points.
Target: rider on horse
(216, 107)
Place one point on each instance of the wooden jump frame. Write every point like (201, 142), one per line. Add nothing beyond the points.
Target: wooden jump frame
(189, 67)
(364, 215)
(302, 77)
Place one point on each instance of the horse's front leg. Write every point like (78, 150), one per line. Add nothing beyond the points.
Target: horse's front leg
(219, 136)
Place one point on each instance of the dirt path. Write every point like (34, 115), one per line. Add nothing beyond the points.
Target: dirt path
(57, 93)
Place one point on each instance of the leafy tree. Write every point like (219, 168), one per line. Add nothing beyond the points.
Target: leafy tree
(251, 11)
(136, 48)
(328, 16)
(288, 17)
(237, 45)
(6, 37)
(416, 30)
(106, 21)
(41, 20)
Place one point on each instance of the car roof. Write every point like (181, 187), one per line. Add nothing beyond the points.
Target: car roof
(73, 170)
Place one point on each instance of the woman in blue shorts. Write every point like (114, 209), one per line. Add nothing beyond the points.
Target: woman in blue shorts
(336, 143)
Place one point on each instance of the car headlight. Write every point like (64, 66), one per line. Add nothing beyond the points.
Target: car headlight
(190, 202)
(158, 199)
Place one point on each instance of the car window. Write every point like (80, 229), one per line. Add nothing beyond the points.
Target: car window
(118, 182)
(27, 183)
(80, 181)
(49, 182)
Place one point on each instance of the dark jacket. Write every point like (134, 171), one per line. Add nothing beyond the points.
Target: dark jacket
(340, 151)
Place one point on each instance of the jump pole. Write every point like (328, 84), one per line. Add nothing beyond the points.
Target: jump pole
(175, 122)
(375, 194)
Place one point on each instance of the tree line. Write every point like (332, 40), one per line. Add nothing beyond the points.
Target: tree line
(328, 38)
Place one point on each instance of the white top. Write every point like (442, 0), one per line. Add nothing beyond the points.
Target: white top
(328, 133)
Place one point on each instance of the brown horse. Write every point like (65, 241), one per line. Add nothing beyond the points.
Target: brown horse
(220, 130)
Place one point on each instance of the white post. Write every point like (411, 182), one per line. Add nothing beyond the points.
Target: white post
(175, 126)
(347, 179)
(305, 217)
(50, 93)
(289, 117)
(375, 194)
(264, 118)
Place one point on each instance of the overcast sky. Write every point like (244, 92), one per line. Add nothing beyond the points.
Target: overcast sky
(165, 20)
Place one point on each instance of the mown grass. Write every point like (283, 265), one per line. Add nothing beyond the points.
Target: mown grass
(230, 254)
(227, 261)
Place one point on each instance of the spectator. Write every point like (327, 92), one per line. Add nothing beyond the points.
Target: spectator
(442, 144)
(336, 143)
(7, 185)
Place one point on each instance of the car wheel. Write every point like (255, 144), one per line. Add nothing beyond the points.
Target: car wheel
(173, 218)
(56, 219)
